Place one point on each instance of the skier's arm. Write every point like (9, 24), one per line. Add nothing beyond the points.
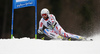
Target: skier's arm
(40, 30)
(55, 21)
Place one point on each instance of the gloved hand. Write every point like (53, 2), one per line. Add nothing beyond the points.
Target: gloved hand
(40, 31)
(53, 24)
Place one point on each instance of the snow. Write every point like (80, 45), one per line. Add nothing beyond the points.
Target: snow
(36, 46)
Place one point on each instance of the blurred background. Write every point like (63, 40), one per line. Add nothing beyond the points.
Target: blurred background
(75, 16)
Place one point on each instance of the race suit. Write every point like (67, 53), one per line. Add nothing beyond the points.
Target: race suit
(53, 28)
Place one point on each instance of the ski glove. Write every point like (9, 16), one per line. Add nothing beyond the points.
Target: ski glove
(40, 31)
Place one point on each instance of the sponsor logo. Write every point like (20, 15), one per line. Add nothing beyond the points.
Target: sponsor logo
(24, 4)
(52, 34)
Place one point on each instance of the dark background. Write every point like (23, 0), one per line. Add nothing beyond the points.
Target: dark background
(75, 16)
(24, 22)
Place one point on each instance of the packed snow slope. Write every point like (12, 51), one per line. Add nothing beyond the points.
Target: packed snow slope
(33, 46)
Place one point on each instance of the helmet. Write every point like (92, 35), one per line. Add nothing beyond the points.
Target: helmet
(44, 11)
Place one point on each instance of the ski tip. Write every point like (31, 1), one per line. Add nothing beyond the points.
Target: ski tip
(91, 39)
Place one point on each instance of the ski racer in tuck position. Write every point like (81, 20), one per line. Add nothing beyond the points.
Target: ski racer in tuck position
(53, 29)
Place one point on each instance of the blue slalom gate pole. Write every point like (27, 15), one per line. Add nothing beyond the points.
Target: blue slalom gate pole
(20, 4)
(36, 20)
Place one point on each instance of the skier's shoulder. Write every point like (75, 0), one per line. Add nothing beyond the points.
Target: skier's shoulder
(51, 15)
(41, 20)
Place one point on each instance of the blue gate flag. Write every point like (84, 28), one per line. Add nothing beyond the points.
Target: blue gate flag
(21, 4)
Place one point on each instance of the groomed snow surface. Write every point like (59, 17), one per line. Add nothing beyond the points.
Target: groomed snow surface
(33, 46)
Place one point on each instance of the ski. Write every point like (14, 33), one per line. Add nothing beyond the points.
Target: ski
(89, 39)
(73, 39)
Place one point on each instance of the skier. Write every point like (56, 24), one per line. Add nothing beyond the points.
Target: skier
(53, 29)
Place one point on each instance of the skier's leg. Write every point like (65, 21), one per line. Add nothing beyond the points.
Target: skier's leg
(50, 33)
(61, 31)
(74, 36)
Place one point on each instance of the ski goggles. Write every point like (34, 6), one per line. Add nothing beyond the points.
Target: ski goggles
(44, 14)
